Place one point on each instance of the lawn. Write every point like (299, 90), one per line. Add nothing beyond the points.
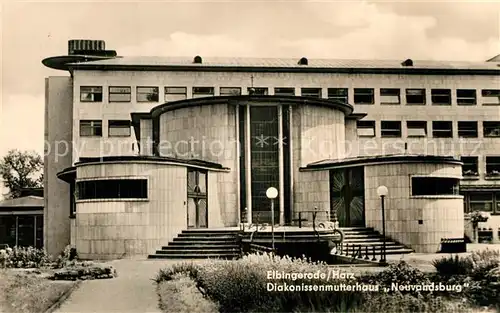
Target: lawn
(29, 291)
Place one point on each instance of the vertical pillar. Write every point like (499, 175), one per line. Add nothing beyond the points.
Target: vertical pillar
(238, 156)
(17, 230)
(280, 166)
(290, 146)
(248, 161)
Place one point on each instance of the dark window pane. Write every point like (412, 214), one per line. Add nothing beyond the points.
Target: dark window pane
(364, 96)
(415, 96)
(112, 189)
(433, 186)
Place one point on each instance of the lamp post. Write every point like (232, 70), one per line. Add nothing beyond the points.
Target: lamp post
(272, 193)
(382, 192)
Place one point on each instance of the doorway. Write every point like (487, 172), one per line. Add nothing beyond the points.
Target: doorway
(197, 200)
(348, 196)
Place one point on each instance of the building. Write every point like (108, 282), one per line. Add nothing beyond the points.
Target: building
(144, 147)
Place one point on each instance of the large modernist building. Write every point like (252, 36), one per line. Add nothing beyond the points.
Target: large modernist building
(142, 148)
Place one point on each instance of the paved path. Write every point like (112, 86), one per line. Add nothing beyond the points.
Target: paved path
(132, 291)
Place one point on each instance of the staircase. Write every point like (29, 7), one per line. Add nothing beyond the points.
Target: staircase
(371, 239)
(201, 244)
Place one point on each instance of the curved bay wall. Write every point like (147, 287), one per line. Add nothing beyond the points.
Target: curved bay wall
(109, 229)
(419, 222)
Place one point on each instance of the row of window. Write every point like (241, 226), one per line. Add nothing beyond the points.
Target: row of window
(471, 166)
(440, 129)
(482, 201)
(116, 128)
(412, 96)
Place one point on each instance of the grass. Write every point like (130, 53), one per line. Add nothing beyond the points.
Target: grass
(23, 292)
(181, 295)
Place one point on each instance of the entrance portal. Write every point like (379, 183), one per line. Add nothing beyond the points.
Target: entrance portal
(347, 196)
(197, 202)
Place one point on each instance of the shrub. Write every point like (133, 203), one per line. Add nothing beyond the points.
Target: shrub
(483, 262)
(453, 265)
(22, 257)
(85, 272)
(68, 257)
(188, 269)
(401, 273)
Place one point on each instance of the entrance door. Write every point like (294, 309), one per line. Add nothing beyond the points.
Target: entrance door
(197, 202)
(347, 196)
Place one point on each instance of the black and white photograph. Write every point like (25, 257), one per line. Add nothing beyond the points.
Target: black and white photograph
(249, 156)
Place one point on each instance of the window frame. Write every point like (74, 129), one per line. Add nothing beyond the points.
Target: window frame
(197, 94)
(455, 186)
(277, 93)
(484, 97)
(256, 91)
(110, 122)
(381, 96)
(338, 97)
(230, 94)
(315, 92)
(138, 92)
(92, 127)
(368, 125)
(166, 93)
(489, 171)
(437, 131)
(111, 93)
(99, 181)
(368, 92)
(473, 163)
(474, 132)
(435, 95)
(486, 125)
(91, 92)
(461, 98)
(416, 125)
(423, 95)
(398, 131)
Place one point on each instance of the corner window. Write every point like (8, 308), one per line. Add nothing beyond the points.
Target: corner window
(390, 96)
(491, 96)
(416, 128)
(112, 189)
(491, 129)
(466, 97)
(175, 94)
(258, 91)
(119, 128)
(365, 128)
(390, 128)
(147, 94)
(311, 92)
(91, 94)
(415, 96)
(120, 94)
(441, 96)
(364, 96)
(89, 128)
(493, 166)
(434, 186)
(200, 92)
(338, 94)
(470, 167)
(467, 129)
(230, 91)
(284, 91)
(442, 129)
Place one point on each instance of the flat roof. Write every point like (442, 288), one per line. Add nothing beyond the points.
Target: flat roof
(156, 63)
(23, 202)
(380, 159)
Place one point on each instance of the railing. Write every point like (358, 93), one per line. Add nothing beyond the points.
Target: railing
(260, 249)
(313, 216)
(357, 251)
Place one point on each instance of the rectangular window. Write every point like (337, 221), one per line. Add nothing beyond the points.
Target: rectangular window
(434, 186)
(120, 94)
(365, 128)
(147, 94)
(466, 97)
(491, 96)
(119, 128)
(90, 128)
(416, 128)
(175, 94)
(200, 92)
(284, 91)
(441, 96)
(481, 201)
(493, 166)
(112, 189)
(470, 167)
(442, 129)
(390, 128)
(338, 94)
(91, 94)
(467, 129)
(364, 96)
(415, 96)
(258, 91)
(390, 96)
(491, 129)
(230, 91)
(311, 92)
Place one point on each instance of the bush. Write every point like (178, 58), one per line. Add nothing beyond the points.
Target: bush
(68, 257)
(188, 269)
(453, 265)
(401, 273)
(85, 272)
(483, 262)
(22, 257)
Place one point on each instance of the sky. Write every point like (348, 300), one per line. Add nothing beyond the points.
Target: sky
(31, 31)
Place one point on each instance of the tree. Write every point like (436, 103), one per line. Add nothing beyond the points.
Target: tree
(21, 170)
